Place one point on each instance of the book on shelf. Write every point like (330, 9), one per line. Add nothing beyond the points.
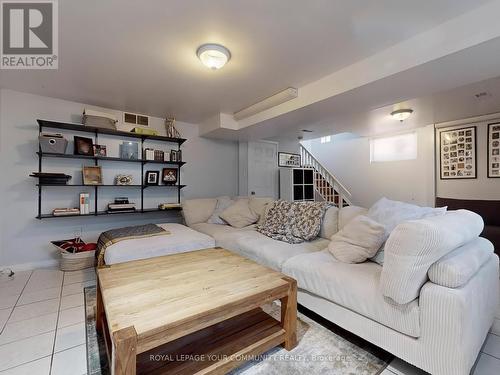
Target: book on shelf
(84, 203)
(124, 206)
(120, 210)
(65, 211)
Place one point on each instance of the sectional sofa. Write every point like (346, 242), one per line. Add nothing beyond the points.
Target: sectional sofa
(430, 304)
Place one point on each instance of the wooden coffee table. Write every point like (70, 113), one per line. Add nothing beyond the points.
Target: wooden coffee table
(192, 313)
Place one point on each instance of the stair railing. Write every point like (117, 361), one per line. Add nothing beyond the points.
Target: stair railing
(309, 161)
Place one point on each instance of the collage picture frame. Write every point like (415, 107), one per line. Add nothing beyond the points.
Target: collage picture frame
(494, 150)
(458, 153)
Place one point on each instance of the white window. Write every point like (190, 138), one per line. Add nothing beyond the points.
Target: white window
(326, 139)
(397, 147)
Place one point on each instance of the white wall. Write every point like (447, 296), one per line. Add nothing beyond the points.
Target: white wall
(349, 160)
(480, 188)
(211, 169)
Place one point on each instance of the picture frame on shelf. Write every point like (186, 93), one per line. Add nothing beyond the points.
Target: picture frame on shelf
(152, 178)
(100, 150)
(129, 150)
(92, 175)
(458, 153)
(123, 179)
(289, 160)
(169, 176)
(494, 150)
(83, 146)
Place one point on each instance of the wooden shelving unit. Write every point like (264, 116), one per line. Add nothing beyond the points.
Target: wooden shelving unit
(95, 131)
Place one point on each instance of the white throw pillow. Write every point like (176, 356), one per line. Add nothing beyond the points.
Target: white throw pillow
(329, 224)
(392, 213)
(222, 204)
(239, 214)
(198, 210)
(259, 205)
(358, 240)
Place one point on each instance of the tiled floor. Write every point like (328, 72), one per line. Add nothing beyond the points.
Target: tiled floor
(42, 323)
(43, 330)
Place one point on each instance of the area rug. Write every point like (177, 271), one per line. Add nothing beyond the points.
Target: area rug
(319, 351)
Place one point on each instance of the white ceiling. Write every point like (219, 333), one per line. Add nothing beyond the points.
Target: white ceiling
(140, 56)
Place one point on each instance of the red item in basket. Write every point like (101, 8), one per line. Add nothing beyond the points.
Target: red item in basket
(88, 247)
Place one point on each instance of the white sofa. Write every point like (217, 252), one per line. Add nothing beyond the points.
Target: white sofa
(431, 304)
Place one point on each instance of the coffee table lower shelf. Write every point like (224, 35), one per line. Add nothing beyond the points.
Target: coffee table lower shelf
(216, 349)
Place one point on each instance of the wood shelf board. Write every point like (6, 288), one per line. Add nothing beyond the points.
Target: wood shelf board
(220, 346)
(113, 132)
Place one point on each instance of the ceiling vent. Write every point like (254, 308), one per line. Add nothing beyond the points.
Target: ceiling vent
(135, 119)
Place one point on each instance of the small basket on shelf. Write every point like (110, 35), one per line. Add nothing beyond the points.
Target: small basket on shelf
(75, 254)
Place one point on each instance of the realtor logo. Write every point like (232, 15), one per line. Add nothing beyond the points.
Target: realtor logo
(29, 34)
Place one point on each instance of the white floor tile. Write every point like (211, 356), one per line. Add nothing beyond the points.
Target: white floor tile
(70, 362)
(76, 288)
(4, 315)
(28, 328)
(400, 367)
(495, 328)
(71, 316)
(34, 310)
(487, 365)
(44, 279)
(38, 367)
(80, 277)
(73, 300)
(386, 372)
(70, 336)
(492, 346)
(20, 352)
(41, 295)
(8, 301)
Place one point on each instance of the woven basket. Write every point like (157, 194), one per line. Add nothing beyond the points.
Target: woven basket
(75, 261)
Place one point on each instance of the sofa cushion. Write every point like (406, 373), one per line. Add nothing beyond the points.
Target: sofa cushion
(415, 245)
(222, 204)
(457, 267)
(392, 213)
(353, 286)
(198, 210)
(264, 250)
(213, 229)
(259, 205)
(359, 240)
(330, 223)
(239, 214)
(348, 213)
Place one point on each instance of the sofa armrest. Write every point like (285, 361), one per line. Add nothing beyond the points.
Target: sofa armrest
(455, 321)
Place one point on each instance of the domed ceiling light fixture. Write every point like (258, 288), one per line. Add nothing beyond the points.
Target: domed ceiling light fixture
(213, 56)
(401, 114)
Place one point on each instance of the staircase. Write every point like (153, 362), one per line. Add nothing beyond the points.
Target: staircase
(327, 186)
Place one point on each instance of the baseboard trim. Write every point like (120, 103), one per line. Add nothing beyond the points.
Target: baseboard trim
(51, 263)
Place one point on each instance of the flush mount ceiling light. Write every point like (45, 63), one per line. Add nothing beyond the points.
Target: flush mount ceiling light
(213, 56)
(401, 114)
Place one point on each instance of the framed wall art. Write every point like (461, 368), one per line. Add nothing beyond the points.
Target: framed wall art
(286, 159)
(458, 156)
(494, 150)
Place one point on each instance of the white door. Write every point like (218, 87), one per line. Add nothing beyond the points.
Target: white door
(263, 169)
